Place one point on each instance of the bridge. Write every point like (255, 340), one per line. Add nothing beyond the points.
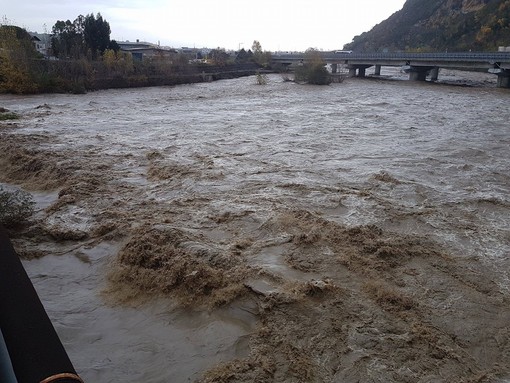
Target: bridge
(418, 65)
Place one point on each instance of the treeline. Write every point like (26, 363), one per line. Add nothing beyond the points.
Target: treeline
(87, 36)
(84, 58)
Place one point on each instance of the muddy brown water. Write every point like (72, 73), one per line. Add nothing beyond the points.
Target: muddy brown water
(235, 232)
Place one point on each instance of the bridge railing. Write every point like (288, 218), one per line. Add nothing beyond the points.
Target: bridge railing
(442, 56)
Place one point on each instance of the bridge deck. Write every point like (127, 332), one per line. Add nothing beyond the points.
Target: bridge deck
(495, 62)
(435, 59)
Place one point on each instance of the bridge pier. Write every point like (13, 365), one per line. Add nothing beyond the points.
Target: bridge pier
(417, 73)
(359, 69)
(434, 74)
(503, 77)
(504, 81)
(334, 68)
(377, 71)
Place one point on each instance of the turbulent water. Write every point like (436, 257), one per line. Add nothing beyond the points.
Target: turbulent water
(266, 183)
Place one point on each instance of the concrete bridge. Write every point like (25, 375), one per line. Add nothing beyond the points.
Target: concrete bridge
(418, 65)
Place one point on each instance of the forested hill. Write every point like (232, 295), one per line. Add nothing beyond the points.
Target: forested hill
(440, 25)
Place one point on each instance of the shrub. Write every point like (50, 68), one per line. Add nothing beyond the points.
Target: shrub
(261, 79)
(312, 70)
(312, 74)
(16, 206)
(8, 116)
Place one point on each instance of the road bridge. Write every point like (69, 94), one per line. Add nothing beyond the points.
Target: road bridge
(418, 65)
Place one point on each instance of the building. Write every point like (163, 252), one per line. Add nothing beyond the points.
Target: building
(42, 43)
(140, 50)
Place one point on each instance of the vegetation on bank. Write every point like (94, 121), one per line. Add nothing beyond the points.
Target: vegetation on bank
(84, 58)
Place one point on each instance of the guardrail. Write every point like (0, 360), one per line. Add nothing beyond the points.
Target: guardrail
(398, 56)
(31, 350)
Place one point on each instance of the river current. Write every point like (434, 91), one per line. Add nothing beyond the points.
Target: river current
(219, 161)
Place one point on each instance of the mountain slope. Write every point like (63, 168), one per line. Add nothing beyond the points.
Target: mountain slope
(440, 25)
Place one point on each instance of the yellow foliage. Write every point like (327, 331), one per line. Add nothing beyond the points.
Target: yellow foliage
(109, 58)
(14, 79)
(118, 61)
(485, 30)
(15, 62)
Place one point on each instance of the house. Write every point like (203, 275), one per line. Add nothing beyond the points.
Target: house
(140, 50)
(42, 42)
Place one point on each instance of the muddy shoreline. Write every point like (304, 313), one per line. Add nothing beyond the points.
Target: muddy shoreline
(340, 273)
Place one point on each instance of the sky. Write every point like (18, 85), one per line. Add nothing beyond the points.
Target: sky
(279, 25)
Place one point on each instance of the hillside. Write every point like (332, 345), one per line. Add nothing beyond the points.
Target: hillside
(440, 25)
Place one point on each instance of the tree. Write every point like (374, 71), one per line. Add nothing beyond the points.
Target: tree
(16, 57)
(96, 33)
(67, 40)
(313, 69)
(218, 56)
(256, 47)
(260, 57)
(113, 45)
(86, 34)
(243, 56)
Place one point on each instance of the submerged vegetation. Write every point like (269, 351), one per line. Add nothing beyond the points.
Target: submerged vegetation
(313, 69)
(16, 206)
(261, 79)
(6, 115)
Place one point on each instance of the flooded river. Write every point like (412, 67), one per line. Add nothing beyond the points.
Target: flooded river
(228, 231)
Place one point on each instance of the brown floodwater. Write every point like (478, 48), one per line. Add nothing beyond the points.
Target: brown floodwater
(234, 232)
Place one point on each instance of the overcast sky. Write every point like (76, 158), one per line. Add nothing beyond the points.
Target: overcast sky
(277, 24)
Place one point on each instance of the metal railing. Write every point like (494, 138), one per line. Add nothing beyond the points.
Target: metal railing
(490, 57)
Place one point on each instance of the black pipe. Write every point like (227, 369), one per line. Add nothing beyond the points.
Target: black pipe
(35, 350)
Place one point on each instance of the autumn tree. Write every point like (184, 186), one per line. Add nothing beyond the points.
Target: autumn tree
(259, 56)
(16, 57)
(118, 63)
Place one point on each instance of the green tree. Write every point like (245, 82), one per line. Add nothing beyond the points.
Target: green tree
(67, 40)
(218, 56)
(86, 34)
(114, 45)
(243, 56)
(313, 69)
(96, 33)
